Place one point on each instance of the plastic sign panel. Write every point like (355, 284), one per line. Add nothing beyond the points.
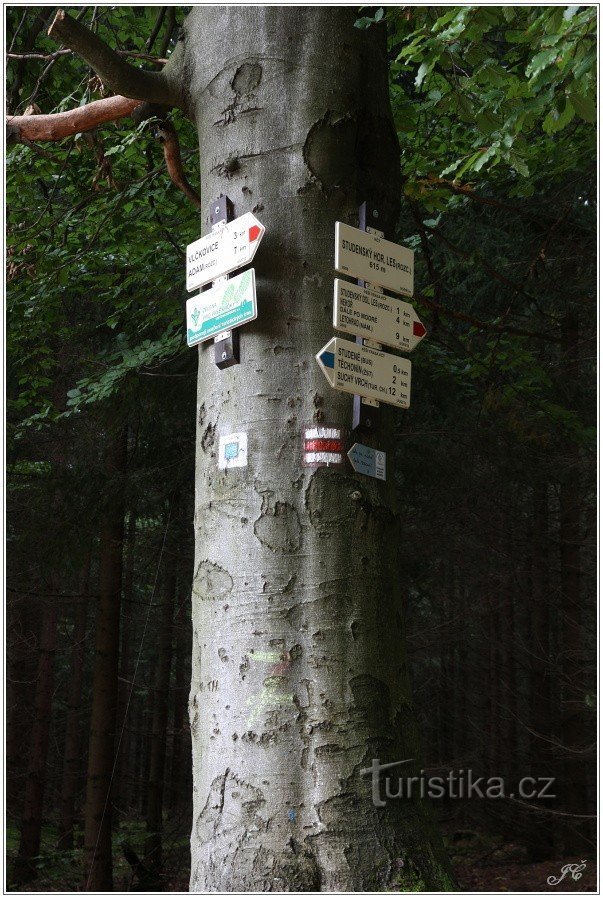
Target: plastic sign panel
(363, 255)
(366, 460)
(323, 446)
(225, 306)
(366, 372)
(232, 451)
(223, 250)
(375, 316)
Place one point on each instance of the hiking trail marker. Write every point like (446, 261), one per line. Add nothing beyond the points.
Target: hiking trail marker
(223, 250)
(227, 304)
(322, 446)
(367, 313)
(232, 451)
(371, 258)
(368, 461)
(367, 372)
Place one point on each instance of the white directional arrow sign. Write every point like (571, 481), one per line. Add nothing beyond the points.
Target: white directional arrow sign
(369, 461)
(368, 257)
(223, 251)
(374, 316)
(366, 372)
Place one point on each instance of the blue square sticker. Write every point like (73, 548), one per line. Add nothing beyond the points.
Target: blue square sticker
(231, 450)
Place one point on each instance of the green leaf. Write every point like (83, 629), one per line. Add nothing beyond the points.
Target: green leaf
(588, 62)
(584, 106)
(484, 157)
(556, 121)
(486, 122)
(424, 70)
(541, 61)
(519, 164)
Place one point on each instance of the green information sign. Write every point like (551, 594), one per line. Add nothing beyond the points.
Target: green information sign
(226, 306)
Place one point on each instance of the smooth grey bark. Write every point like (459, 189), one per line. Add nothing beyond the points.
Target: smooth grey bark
(299, 671)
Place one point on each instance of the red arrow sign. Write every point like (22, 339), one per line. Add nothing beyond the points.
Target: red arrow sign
(418, 329)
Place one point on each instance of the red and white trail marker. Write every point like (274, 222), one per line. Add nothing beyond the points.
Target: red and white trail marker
(322, 446)
(223, 251)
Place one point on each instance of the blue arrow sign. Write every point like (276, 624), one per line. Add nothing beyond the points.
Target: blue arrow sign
(368, 461)
(328, 359)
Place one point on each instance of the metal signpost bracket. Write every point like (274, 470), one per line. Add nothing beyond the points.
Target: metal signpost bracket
(226, 345)
(366, 413)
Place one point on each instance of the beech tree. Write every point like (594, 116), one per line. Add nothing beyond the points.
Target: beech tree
(299, 674)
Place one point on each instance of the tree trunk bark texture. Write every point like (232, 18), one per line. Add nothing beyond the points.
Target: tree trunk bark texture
(31, 823)
(299, 672)
(180, 750)
(542, 842)
(101, 752)
(161, 692)
(72, 761)
(123, 773)
(574, 736)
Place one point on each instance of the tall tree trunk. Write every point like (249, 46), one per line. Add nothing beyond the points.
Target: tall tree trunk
(101, 752)
(574, 681)
(464, 678)
(541, 843)
(494, 690)
(22, 622)
(299, 668)
(72, 760)
(161, 691)
(446, 684)
(35, 783)
(122, 772)
(179, 758)
(508, 650)
(137, 738)
(573, 736)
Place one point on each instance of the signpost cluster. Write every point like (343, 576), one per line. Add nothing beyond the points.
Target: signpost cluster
(374, 318)
(229, 302)
(362, 309)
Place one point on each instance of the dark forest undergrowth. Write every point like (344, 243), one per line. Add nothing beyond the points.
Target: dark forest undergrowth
(482, 863)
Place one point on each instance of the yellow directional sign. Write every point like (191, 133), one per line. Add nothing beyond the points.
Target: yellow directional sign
(375, 316)
(363, 255)
(366, 372)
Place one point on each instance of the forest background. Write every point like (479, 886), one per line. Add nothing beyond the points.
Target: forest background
(496, 115)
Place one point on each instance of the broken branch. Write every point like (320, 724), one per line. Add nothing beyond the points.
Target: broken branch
(21, 128)
(171, 152)
(57, 53)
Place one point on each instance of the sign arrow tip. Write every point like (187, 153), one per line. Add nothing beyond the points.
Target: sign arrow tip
(327, 358)
(418, 329)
